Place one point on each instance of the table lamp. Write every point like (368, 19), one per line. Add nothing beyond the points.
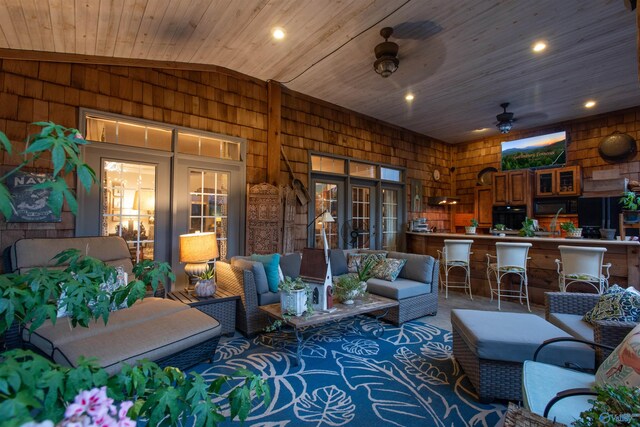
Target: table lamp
(196, 249)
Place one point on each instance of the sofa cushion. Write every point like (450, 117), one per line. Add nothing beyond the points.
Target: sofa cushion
(271, 265)
(514, 337)
(338, 262)
(573, 325)
(417, 267)
(388, 269)
(152, 339)
(399, 289)
(268, 298)
(355, 260)
(616, 303)
(290, 264)
(541, 382)
(48, 335)
(622, 367)
(259, 275)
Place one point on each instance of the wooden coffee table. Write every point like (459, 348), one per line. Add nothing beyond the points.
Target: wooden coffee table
(305, 324)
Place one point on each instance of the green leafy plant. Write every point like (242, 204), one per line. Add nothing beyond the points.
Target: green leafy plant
(630, 201)
(289, 285)
(474, 222)
(528, 229)
(613, 406)
(209, 274)
(500, 227)
(365, 269)
(568, 226)
(34, 388)
(348, 287)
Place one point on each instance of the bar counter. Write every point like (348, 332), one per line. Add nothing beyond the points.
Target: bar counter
(542, 272)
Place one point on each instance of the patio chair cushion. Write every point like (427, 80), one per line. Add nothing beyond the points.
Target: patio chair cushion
(399, 289)
(338, 262)
(418, 267)
(622, 367)
(257, 268)
(541, 382)
(616, 303)
(268, 298)
(290, 264)
(573, 324)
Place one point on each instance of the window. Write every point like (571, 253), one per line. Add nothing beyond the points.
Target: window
(200, 145)
(362, 169)
(124, 132)
(326, 199)
(327, 164)
(389, 174)
(209, 192)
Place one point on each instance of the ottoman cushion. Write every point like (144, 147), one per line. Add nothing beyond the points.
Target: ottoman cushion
(398, 289)
(572, 324)
(514, 337)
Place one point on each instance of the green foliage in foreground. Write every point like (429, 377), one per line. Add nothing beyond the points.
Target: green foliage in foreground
(34, 388)
(614, 406)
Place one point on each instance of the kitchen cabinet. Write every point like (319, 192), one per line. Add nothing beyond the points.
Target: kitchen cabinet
(512, 188)
(565, 181)
(483, 206)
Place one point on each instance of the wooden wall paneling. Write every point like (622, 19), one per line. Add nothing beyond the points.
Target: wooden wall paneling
(274, 132)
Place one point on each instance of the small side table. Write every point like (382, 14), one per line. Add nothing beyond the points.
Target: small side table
(222, 306)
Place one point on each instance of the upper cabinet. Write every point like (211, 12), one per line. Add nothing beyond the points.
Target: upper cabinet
(483, 205)
(555, 182)
(512, 188)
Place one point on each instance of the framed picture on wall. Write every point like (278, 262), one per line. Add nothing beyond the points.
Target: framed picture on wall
(29, 203)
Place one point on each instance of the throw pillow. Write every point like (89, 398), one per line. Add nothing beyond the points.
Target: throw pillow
(616, 303)
(354, 261)
(271, 264)
(622, 367)
(388, 269)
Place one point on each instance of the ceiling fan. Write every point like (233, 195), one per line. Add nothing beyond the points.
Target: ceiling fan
(505, 119)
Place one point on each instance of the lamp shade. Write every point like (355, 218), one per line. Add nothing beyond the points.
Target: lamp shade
(327, 217)
(198, 247)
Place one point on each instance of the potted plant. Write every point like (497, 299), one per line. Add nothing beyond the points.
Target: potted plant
(571, 231)
(472, 228)
(613, 406)
(206, 284)
(528, 228)
(348, 288)
(630, 202)
(295, 297)
(365, 271)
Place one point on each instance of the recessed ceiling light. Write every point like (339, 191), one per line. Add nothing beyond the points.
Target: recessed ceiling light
(409, 97)
(481, 130)
(278, 33)
(539, 46)
(590, 104)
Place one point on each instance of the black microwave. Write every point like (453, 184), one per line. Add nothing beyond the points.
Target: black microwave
(569, 206)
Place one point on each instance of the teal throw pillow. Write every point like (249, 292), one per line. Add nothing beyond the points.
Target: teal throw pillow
(388, 269)
(616, 303)
(271, 268)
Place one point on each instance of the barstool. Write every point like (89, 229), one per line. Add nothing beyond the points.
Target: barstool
(583, 265)
(511, 258)
(456, 254)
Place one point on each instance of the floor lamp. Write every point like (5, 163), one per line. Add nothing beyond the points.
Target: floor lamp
(196, 249)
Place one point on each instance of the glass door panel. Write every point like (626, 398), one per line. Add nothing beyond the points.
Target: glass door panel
(357, 231)
(390, 219)
(129, 205)
(209, 193)
(326, 198)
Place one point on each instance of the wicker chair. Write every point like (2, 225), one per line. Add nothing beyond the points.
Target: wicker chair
(238, 281)
(605, 332)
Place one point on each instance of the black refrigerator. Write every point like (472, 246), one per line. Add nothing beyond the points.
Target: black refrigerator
(598, 212)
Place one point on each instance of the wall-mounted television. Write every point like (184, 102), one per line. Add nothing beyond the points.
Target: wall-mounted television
(535, 152)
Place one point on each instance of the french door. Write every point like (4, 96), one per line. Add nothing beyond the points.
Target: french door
(359, 231)
(131, 200)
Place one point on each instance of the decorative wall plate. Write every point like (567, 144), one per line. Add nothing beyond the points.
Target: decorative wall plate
(486, 175)
(436, 175)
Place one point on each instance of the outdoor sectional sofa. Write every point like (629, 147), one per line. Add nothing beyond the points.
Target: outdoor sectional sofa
(164, 331)
(416, 288)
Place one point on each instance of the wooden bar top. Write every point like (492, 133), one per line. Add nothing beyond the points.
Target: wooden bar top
(515, 238)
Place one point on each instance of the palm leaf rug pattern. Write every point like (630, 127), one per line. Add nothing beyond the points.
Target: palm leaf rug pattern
(408, 377)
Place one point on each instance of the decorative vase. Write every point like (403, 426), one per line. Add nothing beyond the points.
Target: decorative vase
(363, 287)
(294, 302)
(608, 233)
(205, 288)
(470, 230)
(574, 234)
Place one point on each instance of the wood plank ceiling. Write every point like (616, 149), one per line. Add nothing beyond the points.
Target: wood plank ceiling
(460, 59)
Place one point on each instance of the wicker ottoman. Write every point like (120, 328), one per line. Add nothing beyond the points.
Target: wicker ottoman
(491, 346)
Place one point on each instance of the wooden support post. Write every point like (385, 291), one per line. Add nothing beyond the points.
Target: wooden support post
(274, 140)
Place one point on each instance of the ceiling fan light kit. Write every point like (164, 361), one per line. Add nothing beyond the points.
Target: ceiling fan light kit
(505, 120)
(386, 54)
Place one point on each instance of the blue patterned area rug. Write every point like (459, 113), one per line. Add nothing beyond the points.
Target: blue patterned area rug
(408, 377)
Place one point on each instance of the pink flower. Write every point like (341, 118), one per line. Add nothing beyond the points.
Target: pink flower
(94, 409)
(124, 408)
